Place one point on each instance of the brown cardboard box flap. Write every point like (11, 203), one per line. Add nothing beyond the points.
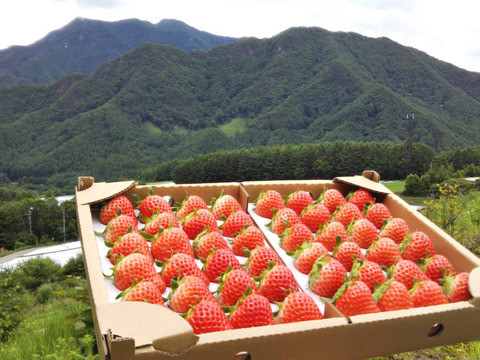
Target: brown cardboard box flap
(474, 286)
(368, 183)
(148, 324)
(90, 192)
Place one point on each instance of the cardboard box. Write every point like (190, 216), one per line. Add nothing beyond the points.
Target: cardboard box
(144, 331)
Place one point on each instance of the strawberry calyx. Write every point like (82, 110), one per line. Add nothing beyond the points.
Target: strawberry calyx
(258, 279)
(403, 245)
(231, 309)
(300, 249)
(196, 242)
(179, 205)
(415, 286)
(338, 242)
(109, 225)
(380, 290)
(127, 290)
(188, 217)
(222, 279)
(316, 268)
(214, 200)
(260, 196)
(341, 290)
(356, 266)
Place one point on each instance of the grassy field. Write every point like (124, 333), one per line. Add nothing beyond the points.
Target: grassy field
(234, 126)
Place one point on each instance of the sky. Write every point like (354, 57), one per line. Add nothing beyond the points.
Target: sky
(448, 30)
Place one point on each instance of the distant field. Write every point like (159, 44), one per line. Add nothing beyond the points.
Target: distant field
(234, 126)
(396, 186)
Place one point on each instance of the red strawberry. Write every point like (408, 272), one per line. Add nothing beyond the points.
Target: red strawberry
(109, 210)
(377, 213)
(298, 306)
(196, 222)
(218, 262)
(119, 226)
(384, 252)
(258, 260)
(427, 293)
(354, 299)
(417, 246)
(276, 283)
(144, 291)
(346, 214)
(128, 244)
(345, 252)
(298, 201)
(360, 198)
(252, 310)
(224, 205)
(187, 292)
(369, 272)
(328, 234)
(406, 272)
(206, 241)
(164, 220)
(233, 285)
(433, 266)
(307, 254)
(455, 287)
(171, 241)
(151, 205)
(282, 219)
(189, 205)
(180, 265)
(315, 215)
(295, 236)
(249, 239)
(207, 316)
(326, 277)
(332, 199)
(134, 266)
(363, 232)
(236, 222)
(267, 201)
(392, 295)
(395, 229)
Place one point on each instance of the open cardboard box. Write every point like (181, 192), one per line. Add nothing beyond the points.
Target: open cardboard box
(145, 331)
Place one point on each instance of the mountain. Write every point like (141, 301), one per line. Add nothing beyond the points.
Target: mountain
(305, 85)
(83, 45)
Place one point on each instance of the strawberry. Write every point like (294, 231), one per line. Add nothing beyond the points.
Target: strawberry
(170, 241)
(134, 266)
(224, 205)
(392, 295)
(112, 208)
(295, 236)
(180, 265)
(163, 220)
(187, 292)
(363, 232)
(258, 260)
(249, 239)
(433, 267)
(427, 293)
(207, 316)
(189, 205)
(369, 272)
(218, 262)
(346, 214)
(128, 244)
(298, 306)
(376, 213)
(407, 272)
(455, 287)
(384, 252)
(236, 222)
(360, 198)
(332, 199)
(315, 215)
(282, 219)
(307, 254)
(267, 202)
(206, 241)
(119, 226)
(328, 234)
(194, 223)
(251, 310)
(298, 201)
(395, 229)
(276, 282)
(151, 205)
(144, 291)
(233, 284)
(417, 246)
(345, 252)
(354, 298)
(326, 277)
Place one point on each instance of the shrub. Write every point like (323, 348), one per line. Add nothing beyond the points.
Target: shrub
(36, 272)
(75, 266)
(11, 305)
(44, 293)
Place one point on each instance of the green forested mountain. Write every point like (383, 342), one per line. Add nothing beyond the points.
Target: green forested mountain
(83, 45)
(304, 85)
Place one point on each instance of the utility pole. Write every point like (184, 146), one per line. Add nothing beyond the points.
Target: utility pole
(410, 118)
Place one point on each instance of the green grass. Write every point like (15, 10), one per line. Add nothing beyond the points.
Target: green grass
(396, 186)
(234, 126)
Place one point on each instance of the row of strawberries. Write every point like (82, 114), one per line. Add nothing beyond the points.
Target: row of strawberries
(248, 302)
(345, 245)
